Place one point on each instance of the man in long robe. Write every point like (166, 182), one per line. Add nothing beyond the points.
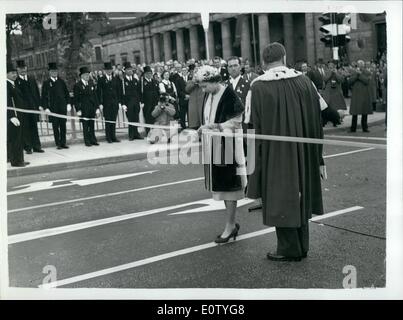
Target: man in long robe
(287, 175)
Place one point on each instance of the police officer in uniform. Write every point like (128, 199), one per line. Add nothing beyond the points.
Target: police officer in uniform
(30, 92)
(56, 99)
(109, 94)
(15, 151)
(87, 106)
(131, 97)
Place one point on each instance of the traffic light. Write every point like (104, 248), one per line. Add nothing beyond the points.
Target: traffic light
(335, 29)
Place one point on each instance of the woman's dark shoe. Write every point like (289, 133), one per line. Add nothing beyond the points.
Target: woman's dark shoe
(233, 234)
(277, 257)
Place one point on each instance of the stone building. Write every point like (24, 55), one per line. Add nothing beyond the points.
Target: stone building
(162, 36)
(180, 36)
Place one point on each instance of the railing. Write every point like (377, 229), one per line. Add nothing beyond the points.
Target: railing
(74, 126)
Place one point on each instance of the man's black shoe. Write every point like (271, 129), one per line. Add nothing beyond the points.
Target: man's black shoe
(18, 165)
(276, 257)
(131, 139)
(26, 163)
(88, 144)
(365, 130)
(28, 151)
(109, 141)
(59, 148)
(39, 150)
(116, 140)
(95, 144)
(65, 147)
(351, 130)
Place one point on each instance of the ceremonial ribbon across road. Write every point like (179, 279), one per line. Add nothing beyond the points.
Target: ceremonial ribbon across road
(213, 133)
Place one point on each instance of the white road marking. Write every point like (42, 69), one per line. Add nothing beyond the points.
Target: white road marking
(355, 137)
(46, 185)
(346, 153)
(147, 188)
(209, 206)
(212, 205)
(176, 253)
(104, 195)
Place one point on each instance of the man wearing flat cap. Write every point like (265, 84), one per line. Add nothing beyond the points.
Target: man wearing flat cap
(131, 97)
(15, 151)
(30, 92)
(287, 175)
(56, 99)
(87, 105)
(109, 94)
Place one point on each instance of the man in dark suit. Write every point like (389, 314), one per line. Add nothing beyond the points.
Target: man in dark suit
(221, 68)
(15, 151)
(56, 99)
(109, 90)
(179, 78)
(150, 94)
(30, 93)
(131, 97)
(87, 105)
(240, 85)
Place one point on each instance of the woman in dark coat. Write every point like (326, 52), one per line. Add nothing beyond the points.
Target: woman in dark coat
(333, 94)
(222, 111)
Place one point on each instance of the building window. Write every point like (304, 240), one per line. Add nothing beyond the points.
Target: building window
(123, 57)
(98, 54)
(30, 62)
(136, 57)
(112, 59)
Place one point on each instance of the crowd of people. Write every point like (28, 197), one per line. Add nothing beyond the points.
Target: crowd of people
(221, 96)
(167, 91)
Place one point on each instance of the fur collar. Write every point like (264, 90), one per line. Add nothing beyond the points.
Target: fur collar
(278, 73)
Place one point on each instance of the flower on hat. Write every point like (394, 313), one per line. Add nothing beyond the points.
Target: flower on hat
(207, 74)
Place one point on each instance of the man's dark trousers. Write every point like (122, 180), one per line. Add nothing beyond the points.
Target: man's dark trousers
(293, 242)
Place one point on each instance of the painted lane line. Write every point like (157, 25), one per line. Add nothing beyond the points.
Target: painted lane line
(346, 153)
(151, 187)
(210, 205)
(176, 253)
(105, 195)
(49, 185)
(355, 137)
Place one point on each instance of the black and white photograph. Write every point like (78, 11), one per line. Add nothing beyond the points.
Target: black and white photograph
(210, 149)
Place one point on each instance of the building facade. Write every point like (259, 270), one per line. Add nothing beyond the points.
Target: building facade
(161, 37)
(180, 36)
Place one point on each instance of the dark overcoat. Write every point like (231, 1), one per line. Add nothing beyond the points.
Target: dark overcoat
(55, 97)
(150, 95)
(221, 177)
(131, 97)
(86, 99)
(109, 95)
(287, 174)
(333, 93)
(361, 97)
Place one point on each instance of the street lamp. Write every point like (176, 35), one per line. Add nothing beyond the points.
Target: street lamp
(205, 16)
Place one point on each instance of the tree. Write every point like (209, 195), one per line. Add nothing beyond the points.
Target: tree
(72, 30)
(19, 22)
